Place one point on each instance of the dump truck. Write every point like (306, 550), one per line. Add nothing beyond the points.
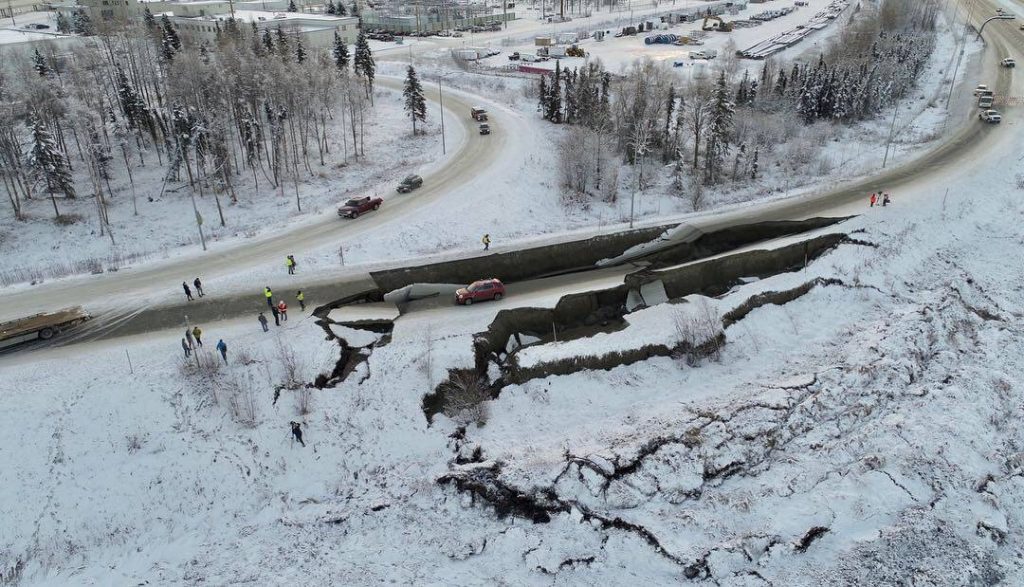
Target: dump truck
(41, 326)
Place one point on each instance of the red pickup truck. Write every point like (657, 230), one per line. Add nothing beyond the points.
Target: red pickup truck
(356, 206)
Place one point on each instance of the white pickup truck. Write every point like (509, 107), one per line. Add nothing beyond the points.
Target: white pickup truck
(990, 116)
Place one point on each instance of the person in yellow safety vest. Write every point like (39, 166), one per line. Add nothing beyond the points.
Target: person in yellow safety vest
(197, 333)
(486, 241)
(270, 296)
(302, 299)
(290, 263)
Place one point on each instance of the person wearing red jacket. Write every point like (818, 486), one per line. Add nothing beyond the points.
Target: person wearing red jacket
(282, 308)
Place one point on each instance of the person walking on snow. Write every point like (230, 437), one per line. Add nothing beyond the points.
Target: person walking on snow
(188, 292)
(302, 300)
(263, 322)
(269, 295)
(198, 334)
(191, 341)
(290, 263)
(486, 241)
(885, 199)
(283, 309)
(874, 198)
(199, 287)
(297, 432)
(186, 348)
(223, 348)
(277, 315)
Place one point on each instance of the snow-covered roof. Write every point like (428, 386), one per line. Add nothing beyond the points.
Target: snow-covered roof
(268, 16)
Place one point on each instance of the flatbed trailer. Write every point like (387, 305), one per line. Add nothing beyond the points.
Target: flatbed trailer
(42, 326)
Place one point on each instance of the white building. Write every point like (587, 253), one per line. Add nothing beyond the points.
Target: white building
(317, 30)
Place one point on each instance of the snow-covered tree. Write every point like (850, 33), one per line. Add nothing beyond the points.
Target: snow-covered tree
(719, 130)
(300, 51)
(340, 53)
(340, 9)
(81, 24)
(48, 163)
(362, 62)
(291, 6)
(415, 104)
(39, 64)
(63, 25)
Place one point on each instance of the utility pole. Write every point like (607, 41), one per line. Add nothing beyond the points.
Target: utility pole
(963, 42)
(891, 129)
(440, 99)
(199, 219)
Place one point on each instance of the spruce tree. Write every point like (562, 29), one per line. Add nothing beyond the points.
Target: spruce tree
(81, 24)
(329, 9)
(340, 53)
(63, 26)
(720, 131)
(415, 103)
(362, 61)
(39, 64)
(282, 43)
(147, 18)
(170, 43)
(291, 6)
(268, 41)
(48, 164)
(542, 103)
(340, 10)
(554, 110)
(300, 52)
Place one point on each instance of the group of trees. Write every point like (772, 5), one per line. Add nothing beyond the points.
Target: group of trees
(252, 102)
(707, 128)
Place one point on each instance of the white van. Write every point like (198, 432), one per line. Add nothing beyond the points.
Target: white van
(705, 54)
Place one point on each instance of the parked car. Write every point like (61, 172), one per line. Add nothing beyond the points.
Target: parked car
(37, 26)
(485, 129)
(1009, 62)
(410, 183)
(356, 206)
(985, 101)
(981, 88)
(991, 116)
(514, 56)
(480, 291)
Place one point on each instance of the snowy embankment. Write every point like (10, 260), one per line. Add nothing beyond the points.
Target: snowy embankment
(864, 433)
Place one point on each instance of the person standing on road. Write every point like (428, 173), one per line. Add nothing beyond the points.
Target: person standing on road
(283, 309)
(223, 348)
(486, 241)
(269, 295)
(263, 322)
(188, 292)
(199, 287)
(197, 333)
(874, 199)
(186, 348)
(191, 341)
(297, 432)
(277, 315)
(290, 263)
(302, 300)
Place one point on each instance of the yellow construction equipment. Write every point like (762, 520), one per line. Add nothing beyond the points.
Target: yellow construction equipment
(714, 23)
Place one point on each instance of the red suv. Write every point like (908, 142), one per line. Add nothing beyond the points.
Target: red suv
(479, 291)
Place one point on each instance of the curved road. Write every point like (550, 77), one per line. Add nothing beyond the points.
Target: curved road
(136, 284)
(951, 158)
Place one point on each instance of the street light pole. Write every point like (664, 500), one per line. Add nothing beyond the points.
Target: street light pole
(999, 17)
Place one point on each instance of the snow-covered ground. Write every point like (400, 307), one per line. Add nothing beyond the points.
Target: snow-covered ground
(165, 224)
(868, 432)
